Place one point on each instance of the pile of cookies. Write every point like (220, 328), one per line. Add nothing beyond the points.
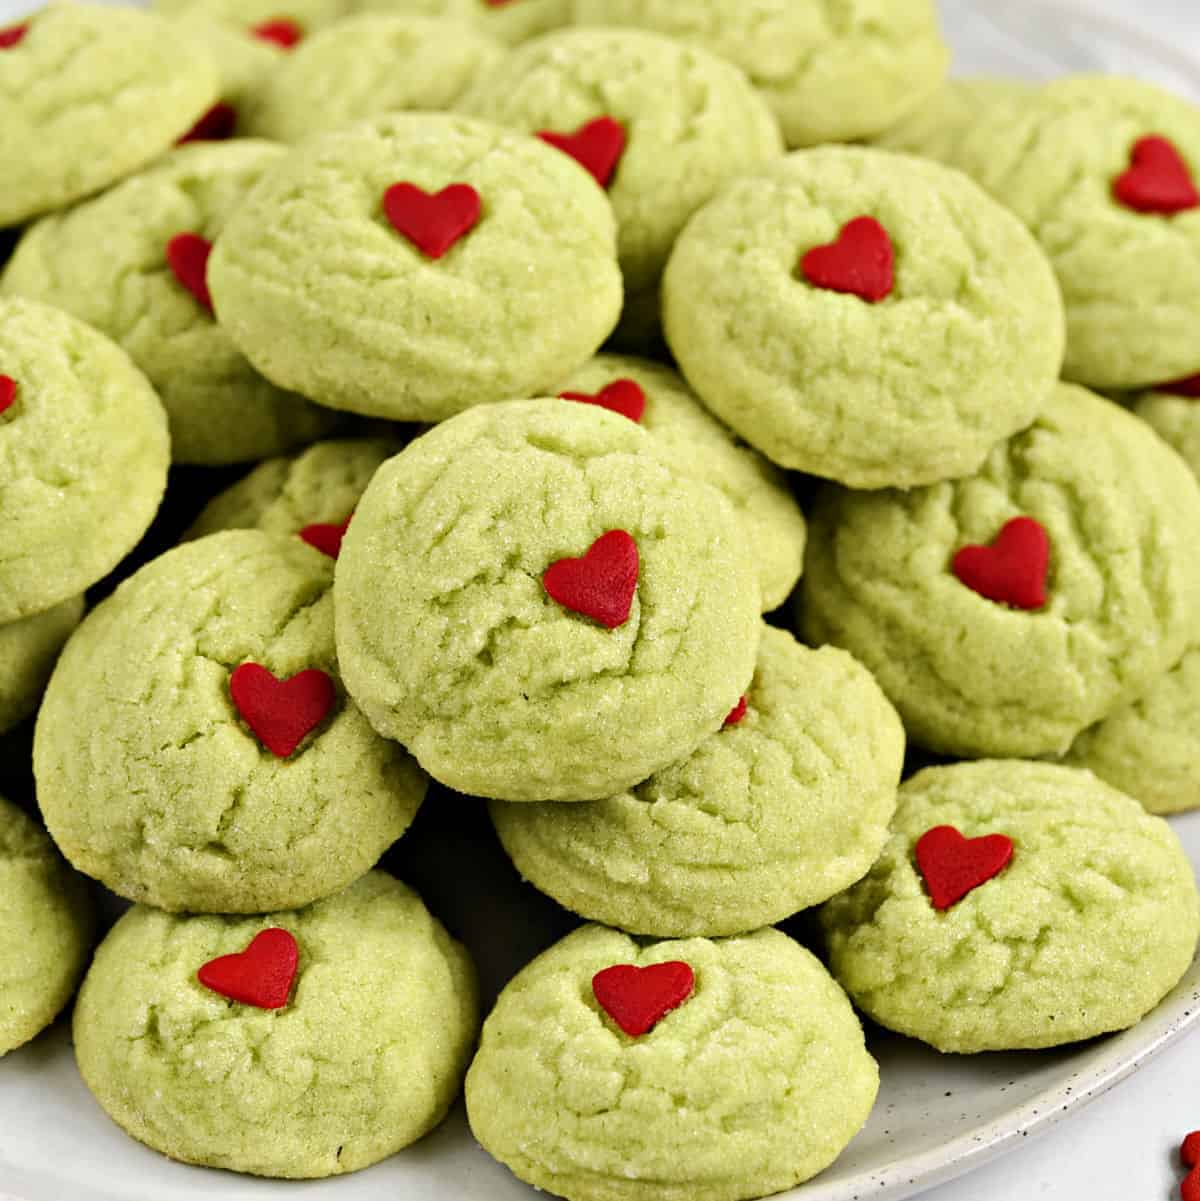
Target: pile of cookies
(533, 323)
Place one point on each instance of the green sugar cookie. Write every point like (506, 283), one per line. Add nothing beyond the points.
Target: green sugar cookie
(1175, 417)
(689, 122)
(698, 445)
(755, 1082)
(83, 457)
(785, 806)
(328, 276)
(28, 649)
(370, 65)
(110, 262)
(864, 316)
(366, 1054)
(169, 766)
(1091, 923)
(1062, 158)
(46, 927)
(510, 673)
(1031, 653)
(88, 94)
(832, 72)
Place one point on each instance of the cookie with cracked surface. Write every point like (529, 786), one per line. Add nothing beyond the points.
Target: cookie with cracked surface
(689, 122)
(832, 72)
(452, 639)
(365, 1056)
(157, 756)
(786, 805)
(754, 1083)
(329, 281)
(109, 261)
(88, 95)
(864, 316)
(46, 929)
(1088, 927)
(1175, 417)
(28, 649)
(83, 457)
(974, 676)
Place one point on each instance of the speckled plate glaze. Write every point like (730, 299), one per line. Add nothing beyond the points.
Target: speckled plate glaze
(937, 1116)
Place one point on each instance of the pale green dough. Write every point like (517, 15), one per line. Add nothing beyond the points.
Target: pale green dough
(321, 485)
(692, 120)
(105, 261)
(147, 776)
(911, 390)
(450, 643)
(326, 298)
(1130, 280)
(833, 70)
(1176, 419)
(698, 445)
(83, 458)
(46, 929)
(972, 677)
(1089, 926)
(367, 1055)
(28, 649)
(245, 63)
(89, 95)
(366, 66)
(754, 1084)
(765, 818)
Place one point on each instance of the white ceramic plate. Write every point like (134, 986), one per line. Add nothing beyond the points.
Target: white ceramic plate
(937, 1116)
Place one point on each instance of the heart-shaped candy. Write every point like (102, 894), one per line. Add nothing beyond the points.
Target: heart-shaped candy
(260, 975)
(283, 31)
(861, 262)
(327, 538)
(187, 256)
(217, 125)
(12, 35)
(282, 713)
(638, 998)
(1158, 179)
(432, 222)
(596, 146)
(1189, 1151)
(1012, 571)
(624, 396)
(602, 583)
(1189, 387)
(8, 392)
(954, 866)
(736, 714)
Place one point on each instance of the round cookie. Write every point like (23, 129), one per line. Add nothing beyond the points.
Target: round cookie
(28, 649)
(326, 277)
(689, 122)
(83, 457)
(894, 356)
(177, 774)
(1175, 417)
(366, 1054)
(754, 1082)
(46, 926)
(88, 94)
(1091, 923)
(109, 262)
(977, 673)
(367, 66)
(1062, 159)
(699, 446)
(450, 635)
(785, 806)
(830, 76)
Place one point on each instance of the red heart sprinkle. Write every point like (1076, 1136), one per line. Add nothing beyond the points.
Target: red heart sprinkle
(217, 125)
(638, 998)
(602, 583)
(12, 35)
(596, 146)
(1189, 1190)
(1158, 179)
(1012, 571)
(624, 396)
(432, 222)
(283, 31)
(326, 538)
(187, 256)
(1189, 1152)
(862, 261)
(281, 712)
(1183, 387)
(954, 866)
(736, 714)
(8, 392)
(260, 975)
